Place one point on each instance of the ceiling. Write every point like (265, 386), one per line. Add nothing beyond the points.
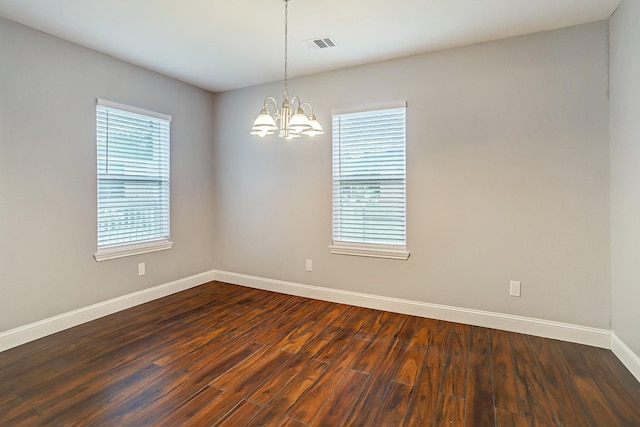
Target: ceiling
(221, 46)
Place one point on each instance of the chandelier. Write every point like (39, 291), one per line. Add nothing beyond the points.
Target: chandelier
(290, 120)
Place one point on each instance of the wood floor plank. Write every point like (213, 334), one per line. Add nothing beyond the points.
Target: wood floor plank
(343, 338)
(596, 408)
(15, 411)
(375, 322)
(266, 358)
(140, 399)
(620, 374)
(562, 398)
(624, 407)
(232, 322)
(29, 418)
(99, 399)
(391, 325)
(347, 392)
(449, 412)
(306, 408)
(454, 382)
(440, 333)
(279, 406)
(344, 317)
(375, 350)
(243, 387)
(533, 393)
(370, 356)
(479, 409)
(393, 407)
(91, 389)
(282, 376)
(168, 352)
(505, 418)
(610, 379)
(205, 370)
(239, 416)
(422, 405)
(410, 364)
(418, 330)
(282, 322)
(221, 354)
(195, 410)
(359, 317)
(570, 359)
(621, 400)
(479, 341)
(313, 325)
(367, 407)
(49, 375)
(155, 410)
(289, 422)
(505, 381)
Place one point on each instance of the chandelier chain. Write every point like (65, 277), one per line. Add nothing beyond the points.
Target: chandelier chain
(286, 46)
(291, 119)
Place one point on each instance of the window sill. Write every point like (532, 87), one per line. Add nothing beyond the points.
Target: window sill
(374, 251)
(121, 251)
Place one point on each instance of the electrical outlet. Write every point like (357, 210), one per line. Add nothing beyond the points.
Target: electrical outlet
(308, 265)
(141, 269)
(514, 288)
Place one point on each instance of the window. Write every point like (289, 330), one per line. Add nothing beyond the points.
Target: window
(133, 180)
(369, 183)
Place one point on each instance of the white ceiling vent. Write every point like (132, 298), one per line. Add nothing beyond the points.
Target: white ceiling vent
(323, 42)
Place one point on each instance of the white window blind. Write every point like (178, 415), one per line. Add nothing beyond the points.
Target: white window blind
(133, 176)
(369, 178)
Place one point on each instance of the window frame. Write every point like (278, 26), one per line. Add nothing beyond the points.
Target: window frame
(376, 250)
(141, 246)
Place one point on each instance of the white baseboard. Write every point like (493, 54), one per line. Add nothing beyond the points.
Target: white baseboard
(24, 334)
(626, 355)
(539, 327)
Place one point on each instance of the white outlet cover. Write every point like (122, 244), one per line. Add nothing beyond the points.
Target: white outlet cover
(514, 288)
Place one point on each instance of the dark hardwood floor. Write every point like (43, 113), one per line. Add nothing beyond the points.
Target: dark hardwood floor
(226, 355)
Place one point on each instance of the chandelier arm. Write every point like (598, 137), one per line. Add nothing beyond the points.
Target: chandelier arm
(308, 105)
(271, 101)
(294, 99)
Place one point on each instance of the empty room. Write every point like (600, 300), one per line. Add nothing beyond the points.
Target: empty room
(320, 213)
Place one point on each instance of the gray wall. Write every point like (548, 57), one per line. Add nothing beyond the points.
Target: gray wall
(48, 89)
(625, 173)
(508, 179)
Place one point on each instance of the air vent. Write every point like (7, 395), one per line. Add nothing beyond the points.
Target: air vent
(324, 42)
